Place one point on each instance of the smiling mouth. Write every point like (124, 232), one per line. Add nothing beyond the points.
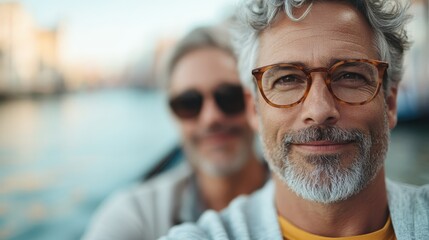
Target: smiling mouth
(322, 146)
(218, 136)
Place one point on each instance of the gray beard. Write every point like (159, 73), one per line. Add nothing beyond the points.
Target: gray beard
(328, 181)
(236, 164)
(208, 165)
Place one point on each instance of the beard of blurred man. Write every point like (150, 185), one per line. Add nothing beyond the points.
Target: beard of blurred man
(219, 160)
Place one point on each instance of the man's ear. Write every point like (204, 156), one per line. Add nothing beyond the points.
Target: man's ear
(251, 111)
(392, 107)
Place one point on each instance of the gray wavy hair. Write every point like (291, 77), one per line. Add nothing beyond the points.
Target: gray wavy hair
(387, 19)
(202, 37)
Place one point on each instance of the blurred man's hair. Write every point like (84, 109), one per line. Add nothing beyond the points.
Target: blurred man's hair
(199, 38)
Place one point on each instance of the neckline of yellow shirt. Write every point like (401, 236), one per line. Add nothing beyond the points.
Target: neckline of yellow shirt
(291, 232)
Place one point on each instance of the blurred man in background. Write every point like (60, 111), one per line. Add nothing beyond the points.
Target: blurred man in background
(207, 100)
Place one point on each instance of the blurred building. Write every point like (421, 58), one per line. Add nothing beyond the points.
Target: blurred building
(29, 61)
(162, 51)
(413, 97)
(148, 71)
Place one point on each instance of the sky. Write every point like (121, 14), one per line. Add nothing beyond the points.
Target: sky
(112, 32)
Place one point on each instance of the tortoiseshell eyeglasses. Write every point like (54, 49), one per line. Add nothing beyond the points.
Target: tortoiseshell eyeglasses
(353, 81)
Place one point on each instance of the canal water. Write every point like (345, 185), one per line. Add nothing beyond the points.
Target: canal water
(61, 155)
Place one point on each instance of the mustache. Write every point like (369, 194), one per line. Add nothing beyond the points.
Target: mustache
(219, 129)
(323, 133)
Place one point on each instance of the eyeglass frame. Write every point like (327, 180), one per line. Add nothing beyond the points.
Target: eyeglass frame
(259, 72)
(215, 94)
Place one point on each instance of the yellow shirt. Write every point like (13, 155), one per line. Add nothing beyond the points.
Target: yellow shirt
(291, 232)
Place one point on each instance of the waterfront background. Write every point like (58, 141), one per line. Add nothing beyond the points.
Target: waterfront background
(62, 155)
(82, 113)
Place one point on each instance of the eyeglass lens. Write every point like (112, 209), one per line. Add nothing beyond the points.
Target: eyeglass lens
(187, 104)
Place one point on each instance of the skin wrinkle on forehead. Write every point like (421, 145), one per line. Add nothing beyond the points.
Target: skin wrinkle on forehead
(346, 33)
(307, 33)
(352, 49)
(320, 57)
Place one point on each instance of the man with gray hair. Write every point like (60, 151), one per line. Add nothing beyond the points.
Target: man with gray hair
(207, 102)
(323, 97)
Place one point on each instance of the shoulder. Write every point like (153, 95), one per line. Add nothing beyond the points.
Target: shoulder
(409, 210)
(118, 216)
(172, 179)
(151, 192)
(247, 217)
(138, 210)
(402, 192)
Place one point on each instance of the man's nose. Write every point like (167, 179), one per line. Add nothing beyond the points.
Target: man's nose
(210, 112)
(320, 106)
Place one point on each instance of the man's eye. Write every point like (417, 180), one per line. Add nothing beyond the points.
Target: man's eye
(351, 79)
(350, 76)
(289, 79)
(289, 82)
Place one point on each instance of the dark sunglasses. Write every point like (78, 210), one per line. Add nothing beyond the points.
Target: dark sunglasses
(228, 97)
